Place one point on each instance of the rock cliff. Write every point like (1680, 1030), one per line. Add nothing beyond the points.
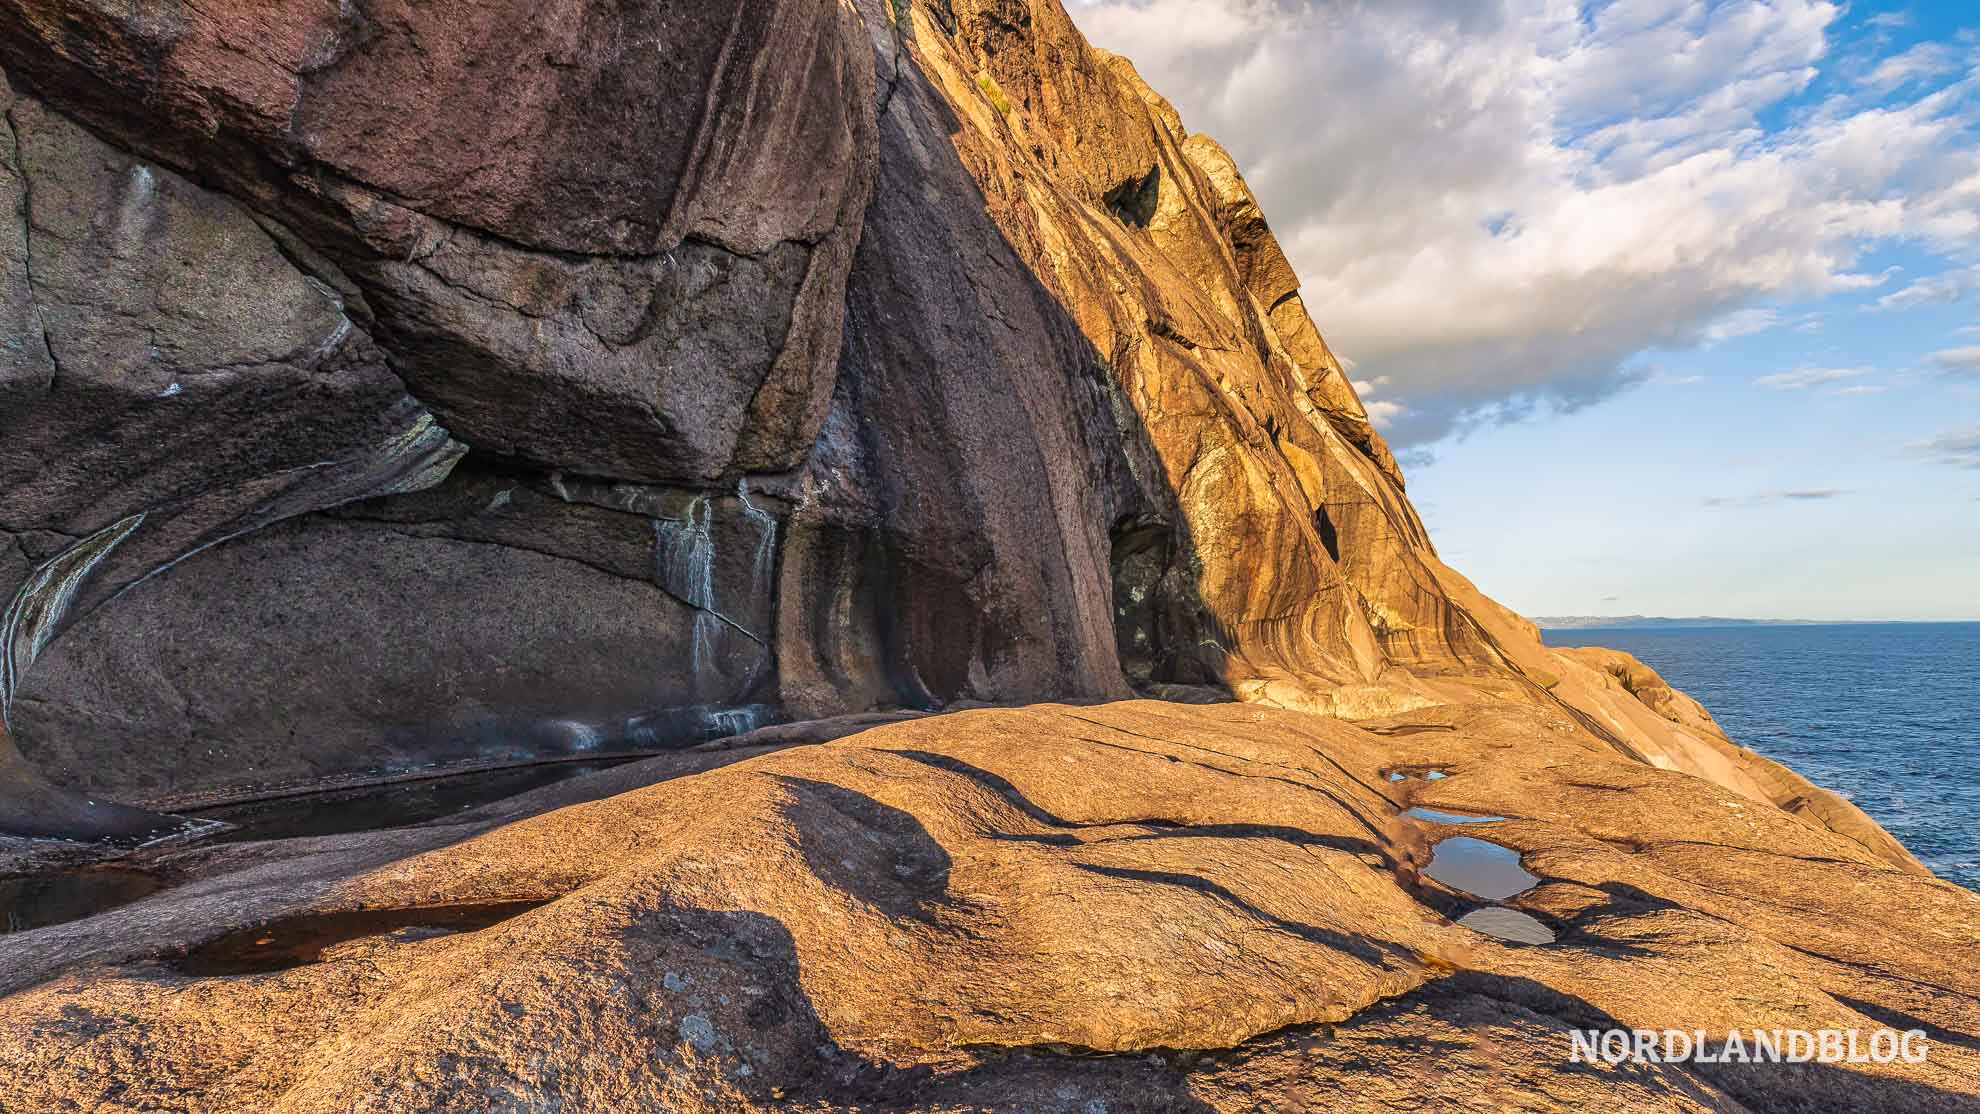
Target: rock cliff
(395, 388)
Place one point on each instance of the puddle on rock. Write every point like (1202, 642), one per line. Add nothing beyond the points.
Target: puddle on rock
(396, 805)
(1509, 925)
(1427, 775)
(1478, 868)
(41, 900)
(1437, 816)
(298, 941)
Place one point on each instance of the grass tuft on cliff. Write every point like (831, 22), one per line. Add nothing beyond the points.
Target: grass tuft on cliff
(994, 91)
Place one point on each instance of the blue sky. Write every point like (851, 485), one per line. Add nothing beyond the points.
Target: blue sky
(1671, 306)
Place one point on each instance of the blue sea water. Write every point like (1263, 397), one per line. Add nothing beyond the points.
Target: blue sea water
(1887, 714)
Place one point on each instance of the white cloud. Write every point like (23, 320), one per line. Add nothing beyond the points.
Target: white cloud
(1743, 322)
(1807, 495)
(1859, 390)
(1498, 204)
(1958, 361)
(1959, 448)
(1802, 378)
(1383, 414)
(1925, 60)
(1940, 289)
(1759, 319)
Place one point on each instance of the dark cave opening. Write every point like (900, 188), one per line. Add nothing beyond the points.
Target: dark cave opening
(1329, 536)
(1133, 201)
(1141, 554)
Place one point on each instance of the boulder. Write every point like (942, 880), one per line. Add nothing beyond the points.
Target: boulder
(620, 250)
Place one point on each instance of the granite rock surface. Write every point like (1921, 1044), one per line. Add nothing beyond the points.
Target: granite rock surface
(398, 388)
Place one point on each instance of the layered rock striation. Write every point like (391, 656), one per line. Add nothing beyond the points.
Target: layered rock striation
(396, 388)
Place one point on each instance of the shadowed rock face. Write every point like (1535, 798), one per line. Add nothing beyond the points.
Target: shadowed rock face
(179, 377)
(619, 251)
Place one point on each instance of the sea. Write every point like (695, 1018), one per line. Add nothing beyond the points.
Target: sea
(1887, 714)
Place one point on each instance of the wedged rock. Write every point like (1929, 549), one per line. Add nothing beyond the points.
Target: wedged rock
(684, 366)
(651, 288)
(1138, 905)
(621, 250)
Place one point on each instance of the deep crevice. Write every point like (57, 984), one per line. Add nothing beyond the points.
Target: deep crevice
(1134, 200)
(27, 248)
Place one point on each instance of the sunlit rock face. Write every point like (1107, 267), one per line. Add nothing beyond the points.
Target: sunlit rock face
(386, 398)
(1142, 906)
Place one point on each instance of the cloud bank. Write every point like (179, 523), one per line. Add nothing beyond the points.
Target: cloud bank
(1959, 448)
(1761, 499)
(1964, 361)
(1497, 205)
(1801, 379)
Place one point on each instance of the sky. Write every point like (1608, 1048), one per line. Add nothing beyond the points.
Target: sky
(1668, 307)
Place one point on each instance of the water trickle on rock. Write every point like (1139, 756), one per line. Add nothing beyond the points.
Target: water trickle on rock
(763, 566)
(684, 560)
(677, 727)
(723, 722)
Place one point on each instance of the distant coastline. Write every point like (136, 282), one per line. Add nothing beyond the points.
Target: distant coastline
(1577, 622)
